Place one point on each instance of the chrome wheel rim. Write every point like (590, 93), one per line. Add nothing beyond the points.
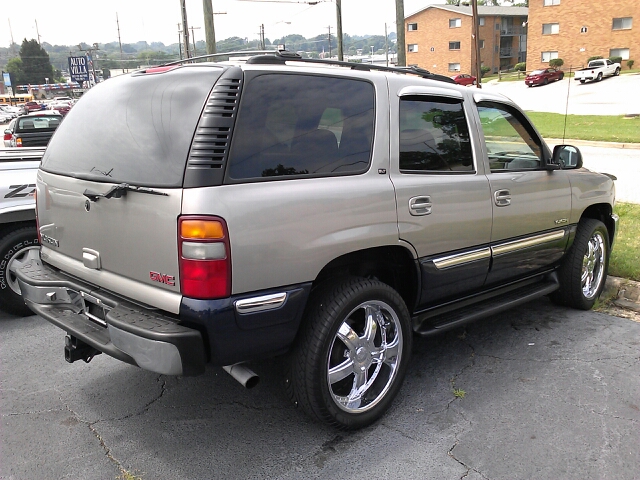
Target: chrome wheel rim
(364, 357)
(15, 262)
(593, 265)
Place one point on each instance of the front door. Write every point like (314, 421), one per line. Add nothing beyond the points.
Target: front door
(531, 205)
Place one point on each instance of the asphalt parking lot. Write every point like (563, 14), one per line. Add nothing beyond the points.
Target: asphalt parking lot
(549, 393)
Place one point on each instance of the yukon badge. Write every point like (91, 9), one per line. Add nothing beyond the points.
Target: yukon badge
(163, 278)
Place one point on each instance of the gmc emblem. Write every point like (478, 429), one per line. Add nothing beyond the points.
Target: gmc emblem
(162, 278)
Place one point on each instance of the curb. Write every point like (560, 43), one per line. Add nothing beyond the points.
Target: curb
(592, 143)
(626, 293)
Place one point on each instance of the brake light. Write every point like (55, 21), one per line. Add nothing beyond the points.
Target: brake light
(204, 257)
(7, 136)
(18, 142)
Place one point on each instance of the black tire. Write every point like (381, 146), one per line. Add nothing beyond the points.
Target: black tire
(15, 247)
(334, 338)
(617, 72)
(584, 269)
(546, 81)
(599, 77)
(562, 76)
(582, 81)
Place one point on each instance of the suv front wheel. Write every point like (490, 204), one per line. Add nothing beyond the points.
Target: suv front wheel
(584, 270)
(352, 353)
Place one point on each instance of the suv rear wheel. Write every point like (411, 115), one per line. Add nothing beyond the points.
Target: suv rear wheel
(352, 353)
(16, 248)
(584, 270)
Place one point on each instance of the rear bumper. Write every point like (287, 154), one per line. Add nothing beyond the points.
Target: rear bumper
(125, 331)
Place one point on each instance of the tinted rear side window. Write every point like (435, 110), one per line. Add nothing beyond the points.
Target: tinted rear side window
(434, 136)
(133, 128)
(293, 125)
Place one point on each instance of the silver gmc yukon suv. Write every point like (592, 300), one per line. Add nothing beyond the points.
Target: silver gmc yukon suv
(221, 213)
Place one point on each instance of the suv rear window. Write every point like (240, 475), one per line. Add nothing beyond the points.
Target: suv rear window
(133, 129)
(293, 125)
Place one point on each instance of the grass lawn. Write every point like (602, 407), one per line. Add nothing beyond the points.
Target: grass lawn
(625, 257)
(606, 128)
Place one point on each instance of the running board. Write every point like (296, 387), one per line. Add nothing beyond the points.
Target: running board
(432, 322)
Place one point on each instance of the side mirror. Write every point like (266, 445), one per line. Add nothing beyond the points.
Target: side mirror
(566, 157)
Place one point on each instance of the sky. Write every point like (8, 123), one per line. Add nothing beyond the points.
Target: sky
(60, 23)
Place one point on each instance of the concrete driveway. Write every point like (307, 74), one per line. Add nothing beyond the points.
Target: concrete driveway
(550, 393)
(612, 96)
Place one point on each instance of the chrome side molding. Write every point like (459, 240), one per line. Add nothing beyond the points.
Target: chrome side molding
(261, 303)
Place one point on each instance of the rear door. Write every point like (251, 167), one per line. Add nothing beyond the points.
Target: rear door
(442, 194)
(133, 130)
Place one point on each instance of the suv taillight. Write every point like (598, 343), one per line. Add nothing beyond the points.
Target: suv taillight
(205, 257)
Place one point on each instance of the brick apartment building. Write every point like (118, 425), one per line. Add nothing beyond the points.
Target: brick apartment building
(575, 30)
(440, 38)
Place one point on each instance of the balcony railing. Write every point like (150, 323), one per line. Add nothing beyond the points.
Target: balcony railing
(516, 30)
(508, 52)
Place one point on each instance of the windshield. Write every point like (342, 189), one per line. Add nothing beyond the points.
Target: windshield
(41, 122)
(133, 129)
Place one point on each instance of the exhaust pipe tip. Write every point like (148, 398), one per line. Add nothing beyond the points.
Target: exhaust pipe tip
(245, 376)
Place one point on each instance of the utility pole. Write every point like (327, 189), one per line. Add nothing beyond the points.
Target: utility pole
(476, 43)
(11, 32)
(180, 41)
(185, 29)
(209, 30)
(339, 25)
(329, 27)
(119, 40)
(262, 46)
(193, 39)
(37, 32)
(386, 43)
(400, 46)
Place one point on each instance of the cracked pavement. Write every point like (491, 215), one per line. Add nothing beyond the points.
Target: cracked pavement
(549, 393)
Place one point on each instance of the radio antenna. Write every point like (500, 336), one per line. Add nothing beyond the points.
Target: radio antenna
(566, 107)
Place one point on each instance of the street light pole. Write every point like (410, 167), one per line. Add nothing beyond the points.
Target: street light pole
(339, 28)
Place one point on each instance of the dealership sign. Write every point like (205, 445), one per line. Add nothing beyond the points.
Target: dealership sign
(78, 68)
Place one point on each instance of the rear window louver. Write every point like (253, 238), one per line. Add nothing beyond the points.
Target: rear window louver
(210, 146)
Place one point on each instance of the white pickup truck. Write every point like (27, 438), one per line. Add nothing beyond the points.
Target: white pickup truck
(18, 235)
(597, 69)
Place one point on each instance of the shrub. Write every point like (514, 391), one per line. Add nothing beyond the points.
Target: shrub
(556, 62)
(630, 64)
(484, 70)
(520, 67)
(616, 59)
(598, 57)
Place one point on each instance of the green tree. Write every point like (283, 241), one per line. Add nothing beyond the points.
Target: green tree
(15, 68)
(35, 62)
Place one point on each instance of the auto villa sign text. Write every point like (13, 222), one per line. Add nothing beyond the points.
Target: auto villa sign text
(78, 68)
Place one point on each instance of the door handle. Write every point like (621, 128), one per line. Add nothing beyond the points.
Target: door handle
(502, 198)
(420, 206)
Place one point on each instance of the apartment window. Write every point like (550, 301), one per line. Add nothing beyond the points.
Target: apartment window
(412, 27)
(619, 52)
(550, 28)
(481, 21)
(497, 26)
(412, 47)
(548, 3)
(454, 67)
(546, 56)
(455, 22)
(454, 45)
(481, 43)
(622, 23)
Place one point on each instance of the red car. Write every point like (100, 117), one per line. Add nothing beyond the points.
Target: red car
(33, 107)
(544, 76)
(464, 79)
(61, 107)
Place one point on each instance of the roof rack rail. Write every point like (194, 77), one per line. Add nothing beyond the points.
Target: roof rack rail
(237, 53)
(283, 56)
